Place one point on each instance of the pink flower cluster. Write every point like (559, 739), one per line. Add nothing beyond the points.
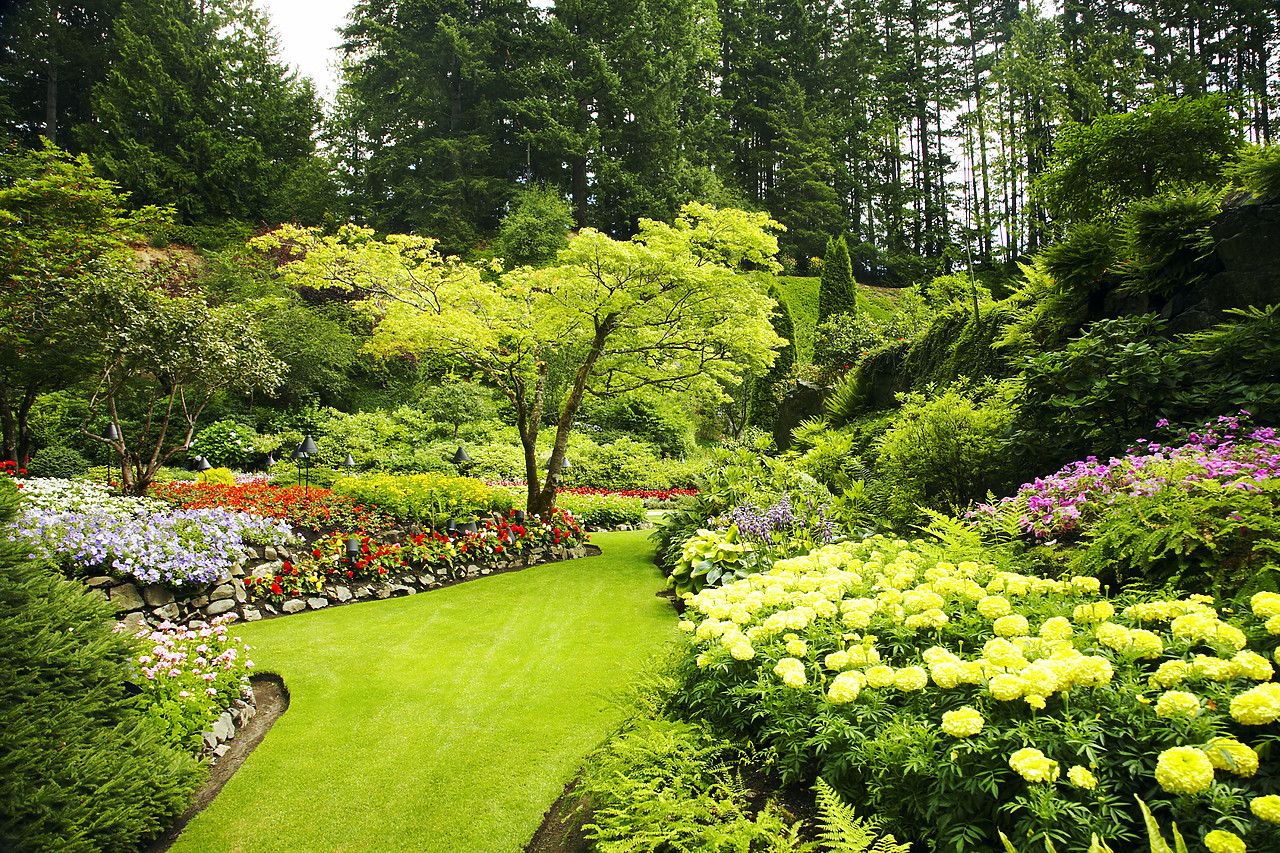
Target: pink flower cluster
(196, 670)
(1062, 502)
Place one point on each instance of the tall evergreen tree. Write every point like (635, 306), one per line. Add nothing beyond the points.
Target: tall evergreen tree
(837, 292)
(197, 112)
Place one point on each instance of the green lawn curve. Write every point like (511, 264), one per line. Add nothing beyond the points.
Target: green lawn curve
(445, 721)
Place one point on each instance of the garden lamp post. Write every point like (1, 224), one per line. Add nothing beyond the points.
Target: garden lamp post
(353, 549)
(110, 434)
(460, 458)
(302, 456)
(350, 464)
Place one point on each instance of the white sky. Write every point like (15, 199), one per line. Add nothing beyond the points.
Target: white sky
(308, 37)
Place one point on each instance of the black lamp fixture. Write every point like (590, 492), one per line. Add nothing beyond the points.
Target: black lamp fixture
(353, 549)
(564, 464)
(110, 434)
(451, 527)
(349, 463)
(271, 459)
(302, 456)
(518, 516)
(470, 527)
(461, 456)
(202, 464)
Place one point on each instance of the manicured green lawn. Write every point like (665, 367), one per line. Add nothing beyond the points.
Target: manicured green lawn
(445, 721)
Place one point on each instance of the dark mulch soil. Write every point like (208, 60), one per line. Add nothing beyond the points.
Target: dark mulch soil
(272, 699)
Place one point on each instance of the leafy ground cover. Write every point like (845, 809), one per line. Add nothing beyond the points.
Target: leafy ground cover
(445, 721)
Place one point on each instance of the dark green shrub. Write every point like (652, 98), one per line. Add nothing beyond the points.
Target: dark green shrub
(58, 461)
(1167, 242)
(1080, 262)
(82, 769)
(649, 417)
(837, 292)
(765, 390)
(1102, 389)
(1258, 171)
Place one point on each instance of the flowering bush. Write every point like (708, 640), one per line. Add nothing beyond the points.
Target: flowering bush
(1198, 515)
(86, 528)
(957, 696)
(226, 444)
(318, 509)
(189, 676)
(782, 529)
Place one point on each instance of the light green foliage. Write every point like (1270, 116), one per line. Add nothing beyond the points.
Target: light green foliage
(665, 309)
(602, 510)
(1258, 171)
(1101, 167)
(842, 831)
(619, 465)
(457, 403)
(660, 784)
(658, 419)
(945, 290)
(801, 295)
(536, 228)
(837, 292)
(217, 477)
(83, 769)
(423, 498)
(944, 449)
(372, 437)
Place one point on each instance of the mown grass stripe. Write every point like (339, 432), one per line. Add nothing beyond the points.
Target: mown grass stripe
(446, 721)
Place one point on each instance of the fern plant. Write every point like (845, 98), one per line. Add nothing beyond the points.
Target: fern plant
(1155, 838)
(840, 830)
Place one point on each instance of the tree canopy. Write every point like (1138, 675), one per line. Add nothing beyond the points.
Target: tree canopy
(667, 308)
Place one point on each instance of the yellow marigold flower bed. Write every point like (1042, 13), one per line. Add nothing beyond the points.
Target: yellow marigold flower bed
(1221, 841)
(962, 722)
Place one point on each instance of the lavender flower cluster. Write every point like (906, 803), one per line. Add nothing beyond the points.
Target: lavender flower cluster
(96, 531)
(771, 525)
(1057, 504)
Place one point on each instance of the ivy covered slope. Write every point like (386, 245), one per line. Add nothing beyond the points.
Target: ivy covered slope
(83, 768)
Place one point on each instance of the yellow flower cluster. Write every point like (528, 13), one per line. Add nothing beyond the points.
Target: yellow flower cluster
(1267, 808)
(1032, 764)
(848, 596)
(962, 722)
(791, 671)
(1080, 776)
(1184, 770)
(1231, 755)
(1221, 841)
(1257, 706)
(1178, 703)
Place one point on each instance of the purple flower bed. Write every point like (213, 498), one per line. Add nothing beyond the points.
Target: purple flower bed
(1221, 451)
(92, 531)
(778, 524)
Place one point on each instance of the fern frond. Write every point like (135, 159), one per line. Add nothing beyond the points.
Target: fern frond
(842, 831)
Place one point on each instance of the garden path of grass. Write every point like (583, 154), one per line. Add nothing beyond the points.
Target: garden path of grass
(444, 721)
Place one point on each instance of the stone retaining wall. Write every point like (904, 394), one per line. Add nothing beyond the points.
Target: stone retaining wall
(138, 606)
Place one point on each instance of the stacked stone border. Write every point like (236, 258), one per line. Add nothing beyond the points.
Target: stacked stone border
(140, 606)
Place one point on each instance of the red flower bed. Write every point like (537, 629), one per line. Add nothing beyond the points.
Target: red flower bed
(318, 509)
(662, 495)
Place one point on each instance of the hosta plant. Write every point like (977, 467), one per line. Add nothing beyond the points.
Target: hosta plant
(714, 558)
